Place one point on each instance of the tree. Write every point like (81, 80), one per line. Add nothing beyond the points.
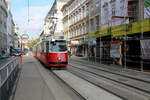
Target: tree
(31, 43)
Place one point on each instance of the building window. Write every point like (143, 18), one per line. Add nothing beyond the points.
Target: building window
(97, 22)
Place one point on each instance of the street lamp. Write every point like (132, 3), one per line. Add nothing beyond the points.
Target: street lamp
(22, 37)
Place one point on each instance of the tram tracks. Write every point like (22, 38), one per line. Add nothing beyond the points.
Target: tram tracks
(60, 80)
(126, 83)
(110, 86)
(58, 89)
(120, 72)
(84, 88)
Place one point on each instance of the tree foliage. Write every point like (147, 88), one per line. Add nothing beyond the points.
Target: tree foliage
(31, 43)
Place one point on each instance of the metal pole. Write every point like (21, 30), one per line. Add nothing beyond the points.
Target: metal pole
(141, 16)
(21, 52)
(100, 51)
(125, 43)
(95, 53)
(100, 36)
(125, 49)
(68, 35)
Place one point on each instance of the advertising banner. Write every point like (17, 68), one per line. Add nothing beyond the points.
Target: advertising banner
(115, 49)
(146, 8)
(74, 42)
(113, 12)
(145, 45)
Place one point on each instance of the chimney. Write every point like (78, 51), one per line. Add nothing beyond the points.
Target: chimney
(8, 4)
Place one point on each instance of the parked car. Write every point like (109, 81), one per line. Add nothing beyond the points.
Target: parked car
(15, 53)
(4, 56)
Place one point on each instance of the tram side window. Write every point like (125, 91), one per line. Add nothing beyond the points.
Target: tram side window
(47, 46)
(42, 47)
(58, 47)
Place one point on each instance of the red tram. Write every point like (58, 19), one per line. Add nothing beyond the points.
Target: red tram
(52, 53)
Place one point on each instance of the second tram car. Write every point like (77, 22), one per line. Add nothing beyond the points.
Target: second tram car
(34, 51)
(53, 53)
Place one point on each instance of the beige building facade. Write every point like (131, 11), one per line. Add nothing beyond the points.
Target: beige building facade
(79, 18)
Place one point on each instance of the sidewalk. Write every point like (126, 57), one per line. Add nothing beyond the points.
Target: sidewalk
(31, 86)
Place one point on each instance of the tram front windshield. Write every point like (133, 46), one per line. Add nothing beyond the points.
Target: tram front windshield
(58, 46)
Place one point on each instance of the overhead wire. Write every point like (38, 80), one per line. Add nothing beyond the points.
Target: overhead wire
(28, 12)
(28, 16)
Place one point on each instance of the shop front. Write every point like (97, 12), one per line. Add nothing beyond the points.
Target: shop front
(126, 51)
(116, 52)
(79, 48)
(102, 45)
(130, 39)
(73, 47)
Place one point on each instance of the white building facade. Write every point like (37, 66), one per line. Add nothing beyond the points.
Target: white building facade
(16, 40)
(10, 31)
(3, 27)
(53, 21)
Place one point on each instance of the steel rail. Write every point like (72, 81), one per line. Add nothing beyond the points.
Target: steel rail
(112, 72)
(66, 84)
(117, 81)
(57, 78)
(95, 84)
(139, 95)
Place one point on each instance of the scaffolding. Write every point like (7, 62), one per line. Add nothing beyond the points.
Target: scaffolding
(132, 17)
(129, 27)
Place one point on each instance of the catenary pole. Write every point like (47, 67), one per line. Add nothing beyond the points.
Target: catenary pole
(141, 17)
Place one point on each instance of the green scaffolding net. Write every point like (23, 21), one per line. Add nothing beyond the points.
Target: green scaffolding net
(147, 9)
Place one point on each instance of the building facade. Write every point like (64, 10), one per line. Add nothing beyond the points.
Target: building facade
(76, 25)
(16, 40)
(10, 32)
(108, 30)
(124, 26)
(3, 27)
(53, 21)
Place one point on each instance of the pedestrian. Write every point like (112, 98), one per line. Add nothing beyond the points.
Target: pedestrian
(69, 53)
(3, 52)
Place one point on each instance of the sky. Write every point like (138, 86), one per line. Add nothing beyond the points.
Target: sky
(38, 10)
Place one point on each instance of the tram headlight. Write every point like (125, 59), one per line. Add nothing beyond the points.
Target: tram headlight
(59, 58)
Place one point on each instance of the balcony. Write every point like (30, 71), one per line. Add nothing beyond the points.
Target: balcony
(132, 11)
(95, 11)
(132, 1)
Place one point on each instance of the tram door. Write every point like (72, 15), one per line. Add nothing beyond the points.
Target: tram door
(47, 49)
